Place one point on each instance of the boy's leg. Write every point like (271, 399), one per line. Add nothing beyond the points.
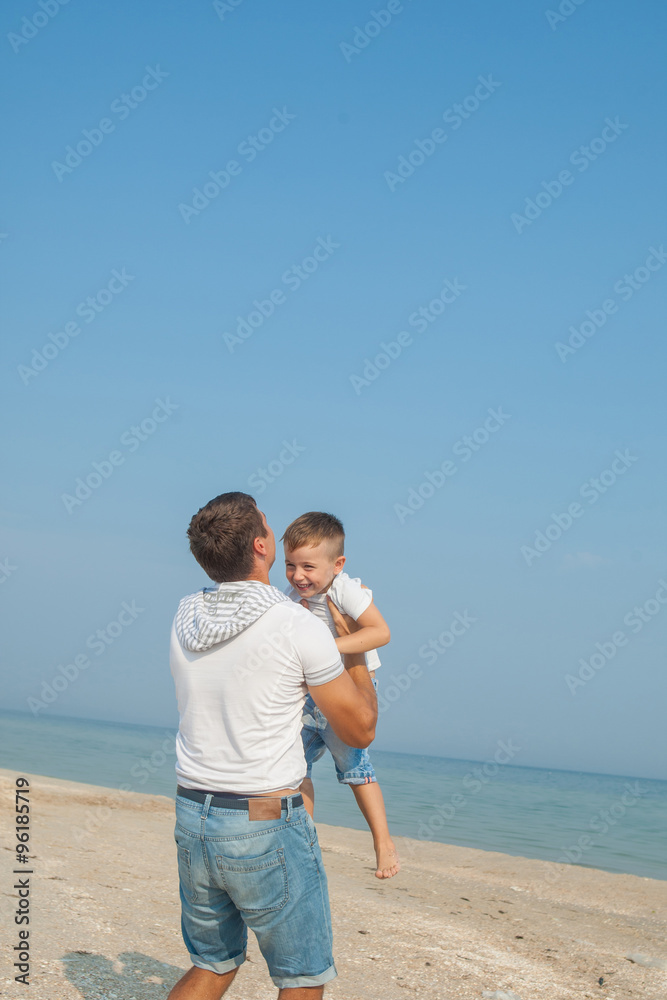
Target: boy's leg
(354, 767)
(371, 802)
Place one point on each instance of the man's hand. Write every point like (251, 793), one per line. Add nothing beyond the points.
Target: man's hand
(369, 632)
(360, 636)
(344, 624)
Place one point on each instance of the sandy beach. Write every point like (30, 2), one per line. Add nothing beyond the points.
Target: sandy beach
(456, 922)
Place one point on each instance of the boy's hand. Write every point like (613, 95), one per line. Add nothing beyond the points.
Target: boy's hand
(344, 624)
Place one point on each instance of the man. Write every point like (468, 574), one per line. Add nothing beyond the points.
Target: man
(243, 657)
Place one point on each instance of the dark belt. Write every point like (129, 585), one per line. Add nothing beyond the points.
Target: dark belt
(221, 801)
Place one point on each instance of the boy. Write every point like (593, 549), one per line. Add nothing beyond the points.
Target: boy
(313, 563)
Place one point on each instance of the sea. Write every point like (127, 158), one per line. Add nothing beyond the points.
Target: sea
(616, 823)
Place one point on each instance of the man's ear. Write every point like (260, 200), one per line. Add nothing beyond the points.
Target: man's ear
(259, 545)
(338, 565)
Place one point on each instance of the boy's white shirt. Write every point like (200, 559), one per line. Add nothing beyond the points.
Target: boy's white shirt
(349, 597)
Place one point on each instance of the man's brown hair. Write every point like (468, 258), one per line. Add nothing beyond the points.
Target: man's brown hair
(313, 528)
(222, 534)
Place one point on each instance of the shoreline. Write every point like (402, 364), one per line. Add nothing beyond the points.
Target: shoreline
(121, 788)
(455, 922)
(173, 729)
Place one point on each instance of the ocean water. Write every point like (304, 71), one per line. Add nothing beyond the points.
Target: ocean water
(599, 821)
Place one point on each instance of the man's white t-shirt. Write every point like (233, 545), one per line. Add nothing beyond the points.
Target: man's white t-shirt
(349, 597)
(240, 702)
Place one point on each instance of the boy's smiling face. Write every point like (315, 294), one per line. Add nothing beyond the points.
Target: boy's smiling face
(311, 568)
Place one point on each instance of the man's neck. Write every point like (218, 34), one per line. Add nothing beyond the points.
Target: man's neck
(260, 574)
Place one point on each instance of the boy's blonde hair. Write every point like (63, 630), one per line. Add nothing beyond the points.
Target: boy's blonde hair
(313, 528)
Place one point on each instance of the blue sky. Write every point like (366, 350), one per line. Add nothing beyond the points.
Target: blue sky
(533, 183)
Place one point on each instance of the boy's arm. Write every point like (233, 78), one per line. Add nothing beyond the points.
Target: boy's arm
(372, 631)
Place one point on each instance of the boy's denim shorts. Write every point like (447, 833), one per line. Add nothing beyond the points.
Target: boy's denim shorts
(353, 767)
(268, 875)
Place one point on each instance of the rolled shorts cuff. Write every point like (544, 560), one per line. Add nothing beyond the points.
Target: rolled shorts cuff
(347, 777)
(352, 778)
(219, 967)
(291, 982)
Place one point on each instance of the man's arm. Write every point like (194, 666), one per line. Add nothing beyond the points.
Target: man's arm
(346, 696)
(349, 702)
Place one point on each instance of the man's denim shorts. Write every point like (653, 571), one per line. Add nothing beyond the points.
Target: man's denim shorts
(268, 875)
(353, 767)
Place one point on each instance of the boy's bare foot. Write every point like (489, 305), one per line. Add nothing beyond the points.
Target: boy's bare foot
(388, 864)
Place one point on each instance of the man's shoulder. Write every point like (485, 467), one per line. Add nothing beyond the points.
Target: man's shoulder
(308, 639)
(301, 618)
